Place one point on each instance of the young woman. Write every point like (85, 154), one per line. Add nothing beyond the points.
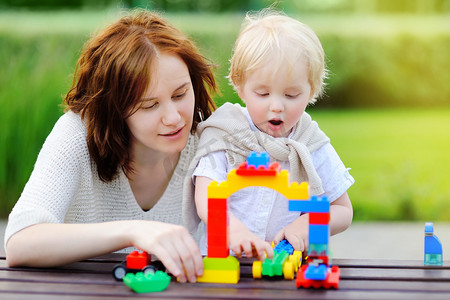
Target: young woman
(110, 174)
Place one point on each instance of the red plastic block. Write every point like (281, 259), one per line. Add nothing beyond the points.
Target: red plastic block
(245, 170)
(218, 252)
(136, 260)
(319, 218)
(332, 280)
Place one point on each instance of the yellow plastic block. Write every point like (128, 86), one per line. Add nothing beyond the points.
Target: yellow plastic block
(279, 183)
(220, 270)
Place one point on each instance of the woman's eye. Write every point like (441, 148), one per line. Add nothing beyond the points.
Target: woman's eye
(149, 105)
(179, 96)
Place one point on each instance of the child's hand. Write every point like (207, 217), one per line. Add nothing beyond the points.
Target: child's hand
(296, 233)
(243, 241)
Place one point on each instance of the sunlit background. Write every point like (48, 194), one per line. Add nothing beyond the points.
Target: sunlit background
(386, 109)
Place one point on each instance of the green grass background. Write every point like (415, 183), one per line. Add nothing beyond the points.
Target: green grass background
(389, 82)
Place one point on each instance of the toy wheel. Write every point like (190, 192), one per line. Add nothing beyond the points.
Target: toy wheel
(298, 255)
(149, 269)
(294, 261)
(119, 272)
(257, 269)
(288, 270)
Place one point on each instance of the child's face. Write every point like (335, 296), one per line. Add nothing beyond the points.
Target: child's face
(276, 100)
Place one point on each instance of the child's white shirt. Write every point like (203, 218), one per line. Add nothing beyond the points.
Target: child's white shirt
(264, 211)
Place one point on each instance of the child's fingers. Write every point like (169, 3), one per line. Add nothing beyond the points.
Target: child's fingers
(268, 250)
(278, 237)
(247, 248)
(236, 248)
(296, 242)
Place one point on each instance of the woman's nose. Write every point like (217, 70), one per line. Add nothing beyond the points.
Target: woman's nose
(171, 115)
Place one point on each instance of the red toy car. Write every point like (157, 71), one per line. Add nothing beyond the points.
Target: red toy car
(136, 262)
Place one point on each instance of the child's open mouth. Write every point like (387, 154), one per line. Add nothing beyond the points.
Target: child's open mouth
(275, 122)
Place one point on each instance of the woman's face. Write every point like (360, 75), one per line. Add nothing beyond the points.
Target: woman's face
(163, 122)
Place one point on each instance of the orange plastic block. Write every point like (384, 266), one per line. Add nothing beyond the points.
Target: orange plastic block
(138, 260)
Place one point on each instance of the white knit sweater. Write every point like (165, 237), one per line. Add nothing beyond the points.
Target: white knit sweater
(64, 186)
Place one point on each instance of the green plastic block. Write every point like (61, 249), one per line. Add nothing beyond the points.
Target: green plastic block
(147, 283)
(274, 266)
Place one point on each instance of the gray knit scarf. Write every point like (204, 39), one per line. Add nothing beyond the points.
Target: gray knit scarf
(228, 129)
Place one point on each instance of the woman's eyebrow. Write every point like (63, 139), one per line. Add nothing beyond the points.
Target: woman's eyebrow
(178, 88)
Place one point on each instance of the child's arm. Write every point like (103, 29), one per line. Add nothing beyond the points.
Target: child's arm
(341, 215)
(242, 240)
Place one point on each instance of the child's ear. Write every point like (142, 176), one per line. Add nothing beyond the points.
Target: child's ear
(240, 93)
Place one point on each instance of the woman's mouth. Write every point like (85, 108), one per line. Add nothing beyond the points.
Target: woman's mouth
(173, 133)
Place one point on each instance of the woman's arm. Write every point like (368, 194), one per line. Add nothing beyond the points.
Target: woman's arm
(48, 245)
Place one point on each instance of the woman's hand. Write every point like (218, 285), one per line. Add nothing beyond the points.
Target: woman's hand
(173, 245)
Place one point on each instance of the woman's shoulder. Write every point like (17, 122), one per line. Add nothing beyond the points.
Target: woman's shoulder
(68, 127)
(67, 138)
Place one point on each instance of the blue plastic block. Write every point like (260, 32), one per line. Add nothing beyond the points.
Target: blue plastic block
(284, 245)
(318, 250)
(314, 272)
(314, 205)
(319, 234)
(258, 159)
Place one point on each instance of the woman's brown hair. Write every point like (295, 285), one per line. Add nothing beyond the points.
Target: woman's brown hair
(112, 75)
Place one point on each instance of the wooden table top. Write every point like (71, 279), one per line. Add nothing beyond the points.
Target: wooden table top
(360, 279)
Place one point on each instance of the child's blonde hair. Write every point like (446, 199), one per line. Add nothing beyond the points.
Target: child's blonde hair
(272, 38)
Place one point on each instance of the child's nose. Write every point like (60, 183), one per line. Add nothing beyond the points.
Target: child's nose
(276, 105)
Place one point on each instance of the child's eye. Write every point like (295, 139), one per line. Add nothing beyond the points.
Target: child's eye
(292, 96)
(262, 94)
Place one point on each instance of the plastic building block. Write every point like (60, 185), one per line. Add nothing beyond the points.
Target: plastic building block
(284, 245)
(217, 228)
(285, 262)
(331, 281)
(279, 183)
(220, 270)
(315, 250)
(258, 159)
(319, 218)
(136, 262)
(316, 204)
(245, 170)
(314, 272)
(146, 283)
(432, 247)
(318, 234)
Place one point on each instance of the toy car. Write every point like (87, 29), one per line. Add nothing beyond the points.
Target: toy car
(285, 262)
(136, 262)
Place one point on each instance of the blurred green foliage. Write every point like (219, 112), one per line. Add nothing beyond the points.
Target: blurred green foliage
(398, 157)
